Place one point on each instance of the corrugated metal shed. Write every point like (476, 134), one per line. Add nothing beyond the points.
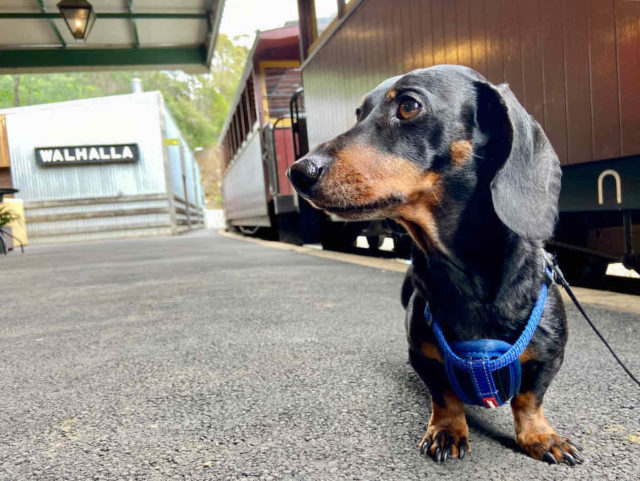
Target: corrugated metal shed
(132, 118)
(87, 202)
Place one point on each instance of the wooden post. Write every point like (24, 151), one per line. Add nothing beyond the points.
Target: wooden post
(308, 26)
(4, 144)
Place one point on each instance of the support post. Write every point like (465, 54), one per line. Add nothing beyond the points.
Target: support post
(167, 169)
(183, 171)
(308, 26)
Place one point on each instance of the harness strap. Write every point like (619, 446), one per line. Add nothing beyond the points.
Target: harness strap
(508, 357)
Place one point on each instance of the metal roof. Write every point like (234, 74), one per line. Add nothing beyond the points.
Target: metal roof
(127, 34)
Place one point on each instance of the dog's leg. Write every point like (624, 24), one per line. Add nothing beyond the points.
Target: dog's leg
(533, 432)
(447, 434)
(536, 436)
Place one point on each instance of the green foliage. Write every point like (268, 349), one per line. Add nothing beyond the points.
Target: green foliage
(6, 216)
(198, 103)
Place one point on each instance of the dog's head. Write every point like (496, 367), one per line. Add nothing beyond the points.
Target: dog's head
(427, 146)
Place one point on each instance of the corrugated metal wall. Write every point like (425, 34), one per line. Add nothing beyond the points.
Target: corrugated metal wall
(118, 119)
(185, 178)
(194, 193)
(87, 202)
(574, 64)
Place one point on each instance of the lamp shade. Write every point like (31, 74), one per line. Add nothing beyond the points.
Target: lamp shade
(79, 16)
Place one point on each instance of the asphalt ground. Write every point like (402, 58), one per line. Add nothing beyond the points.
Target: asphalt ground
(208, 357)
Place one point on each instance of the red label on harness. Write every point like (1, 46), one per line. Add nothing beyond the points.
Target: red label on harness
(490, 402)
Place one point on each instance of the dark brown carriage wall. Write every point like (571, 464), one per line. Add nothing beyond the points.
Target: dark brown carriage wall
(574, 64)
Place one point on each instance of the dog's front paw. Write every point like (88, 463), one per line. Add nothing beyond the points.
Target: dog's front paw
(448, 434)
(551, 448)
(536, 436)
(442, 442)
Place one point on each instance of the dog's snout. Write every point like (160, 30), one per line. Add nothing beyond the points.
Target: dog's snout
(305, 173)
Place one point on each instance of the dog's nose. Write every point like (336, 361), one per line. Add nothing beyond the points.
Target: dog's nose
(305, 173)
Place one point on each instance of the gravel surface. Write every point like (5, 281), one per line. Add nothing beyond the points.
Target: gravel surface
(206, 357)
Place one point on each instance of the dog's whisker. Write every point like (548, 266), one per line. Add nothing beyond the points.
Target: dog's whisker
(437, 200)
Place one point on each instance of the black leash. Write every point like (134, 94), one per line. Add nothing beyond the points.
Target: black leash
(563, 282)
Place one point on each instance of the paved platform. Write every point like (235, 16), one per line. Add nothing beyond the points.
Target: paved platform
(208, 357)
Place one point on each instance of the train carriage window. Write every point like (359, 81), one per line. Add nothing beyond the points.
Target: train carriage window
(252, 102)
(281, 83)
(326, 11)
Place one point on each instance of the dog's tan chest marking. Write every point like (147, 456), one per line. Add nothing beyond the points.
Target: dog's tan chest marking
(529, 354)
(416, 215)
(430, 351)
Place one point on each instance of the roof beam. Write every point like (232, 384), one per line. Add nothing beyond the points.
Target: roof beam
(43, 11)
(125, 15)
(213, 20)
(134, 27)
(90, 57)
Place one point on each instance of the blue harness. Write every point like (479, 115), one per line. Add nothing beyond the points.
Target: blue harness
(487, 372)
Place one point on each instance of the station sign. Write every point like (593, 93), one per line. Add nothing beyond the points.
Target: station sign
(87, 154)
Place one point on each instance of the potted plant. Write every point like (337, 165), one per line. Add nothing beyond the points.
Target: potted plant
(6, 218)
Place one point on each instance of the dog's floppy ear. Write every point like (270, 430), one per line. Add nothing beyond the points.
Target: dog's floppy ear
(526, 185)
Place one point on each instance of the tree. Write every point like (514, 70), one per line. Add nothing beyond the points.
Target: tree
(198, 103)
(16, 90)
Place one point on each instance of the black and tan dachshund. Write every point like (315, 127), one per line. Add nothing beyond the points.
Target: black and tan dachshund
(473, 178)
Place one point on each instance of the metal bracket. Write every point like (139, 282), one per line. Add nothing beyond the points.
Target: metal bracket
(43, 9)
(616, 176)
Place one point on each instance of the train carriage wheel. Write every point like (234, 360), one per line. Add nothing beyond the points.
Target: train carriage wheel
(339, 236)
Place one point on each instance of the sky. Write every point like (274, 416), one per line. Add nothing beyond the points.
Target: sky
(244, 17)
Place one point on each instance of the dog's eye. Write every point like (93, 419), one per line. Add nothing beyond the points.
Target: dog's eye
(408, 109)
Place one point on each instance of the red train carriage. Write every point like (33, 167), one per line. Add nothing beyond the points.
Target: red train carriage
(257, 142)
(574, 65)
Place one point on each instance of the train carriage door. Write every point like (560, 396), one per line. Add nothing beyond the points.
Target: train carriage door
(298, 124)
(280, 79)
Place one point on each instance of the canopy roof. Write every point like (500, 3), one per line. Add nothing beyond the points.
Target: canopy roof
(127, 34)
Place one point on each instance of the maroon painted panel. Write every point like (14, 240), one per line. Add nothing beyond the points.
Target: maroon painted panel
(576, 47)
(407, 35)
(628, 34)
(395, 21)
(604, 79)
(284, 157)
(478, 38)
(555, 106)
(463, 32)
(511, 47)
(437, 27)
(531, 48)
(493, 33)
(450, 37)
(574, 64)
(426, 31)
